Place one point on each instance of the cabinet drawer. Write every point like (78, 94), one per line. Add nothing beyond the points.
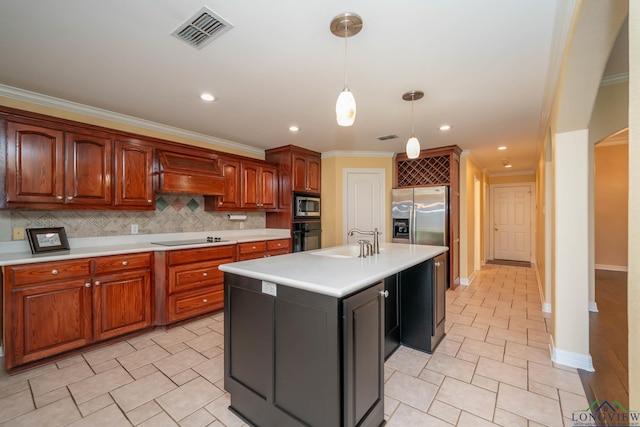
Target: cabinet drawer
(196, 275)
(278, 246)
(122, 262)
(187, 304)
(252, 248)
(47, 271)
(205, 254)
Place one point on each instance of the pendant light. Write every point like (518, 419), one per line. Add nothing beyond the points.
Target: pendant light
(413, 145)
(346, 25)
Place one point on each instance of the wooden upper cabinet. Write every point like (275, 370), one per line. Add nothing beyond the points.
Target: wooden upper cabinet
(231, 173)
(133, 177)
(269, 187)
(88, 169)
(259, 186)
(35, 164)
(306, 173)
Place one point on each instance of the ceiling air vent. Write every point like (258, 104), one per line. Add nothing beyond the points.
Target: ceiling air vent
(386, 137)
(202, 28)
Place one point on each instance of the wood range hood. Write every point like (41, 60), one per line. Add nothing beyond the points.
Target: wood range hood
(188, 174)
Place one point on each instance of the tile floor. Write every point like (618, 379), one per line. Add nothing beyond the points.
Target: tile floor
(493, 368)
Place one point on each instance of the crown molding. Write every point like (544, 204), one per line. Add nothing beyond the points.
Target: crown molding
(98, 113)
(340, 153)
(614, 79)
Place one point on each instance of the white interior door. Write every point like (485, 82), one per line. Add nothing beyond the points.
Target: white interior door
(512, 223)
(364, 203)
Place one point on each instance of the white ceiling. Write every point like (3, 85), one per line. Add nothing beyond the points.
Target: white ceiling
(484, 66)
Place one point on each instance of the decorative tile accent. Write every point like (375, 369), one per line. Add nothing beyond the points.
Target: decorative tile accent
(193, 205)
(161, 204)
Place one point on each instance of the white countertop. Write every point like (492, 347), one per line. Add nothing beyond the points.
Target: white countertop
(18, 252)
(336, 271)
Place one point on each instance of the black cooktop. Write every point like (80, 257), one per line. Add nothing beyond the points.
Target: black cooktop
(190, 242)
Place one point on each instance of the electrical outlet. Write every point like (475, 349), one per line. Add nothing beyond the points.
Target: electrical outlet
(134, 228)
(241, 225)
(269, 288)
(18, 233)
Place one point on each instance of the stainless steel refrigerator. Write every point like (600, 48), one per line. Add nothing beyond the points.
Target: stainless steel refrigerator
(420, 215)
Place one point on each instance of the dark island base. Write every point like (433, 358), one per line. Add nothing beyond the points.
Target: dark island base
(298, 358)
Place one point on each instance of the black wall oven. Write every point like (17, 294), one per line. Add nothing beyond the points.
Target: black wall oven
(306, 236)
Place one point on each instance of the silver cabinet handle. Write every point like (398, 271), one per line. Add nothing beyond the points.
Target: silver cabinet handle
(125, 262)
(70, 198)
(437, 264)
(54, 272)
(385, 293)
(149, 201)
(59, 197)
(97, 283)
(205, 300)
(205, 274)
(87, 285)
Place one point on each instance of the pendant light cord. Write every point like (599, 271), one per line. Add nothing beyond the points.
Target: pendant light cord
(412, 102)
(346, 37)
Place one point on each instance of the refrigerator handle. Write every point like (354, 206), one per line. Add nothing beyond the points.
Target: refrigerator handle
(412, 223)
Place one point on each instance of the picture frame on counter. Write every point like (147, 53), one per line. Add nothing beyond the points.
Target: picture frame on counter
(47, 239)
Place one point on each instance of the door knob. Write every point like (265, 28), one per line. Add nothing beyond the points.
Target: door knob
(385, 293)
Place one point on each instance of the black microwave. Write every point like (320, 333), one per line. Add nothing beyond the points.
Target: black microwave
(306, 206)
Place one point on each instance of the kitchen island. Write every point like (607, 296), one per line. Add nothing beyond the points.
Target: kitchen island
(304, 332)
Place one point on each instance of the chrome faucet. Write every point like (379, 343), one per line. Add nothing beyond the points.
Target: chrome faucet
(375, 233)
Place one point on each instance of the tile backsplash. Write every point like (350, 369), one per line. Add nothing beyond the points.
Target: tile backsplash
(174, 213)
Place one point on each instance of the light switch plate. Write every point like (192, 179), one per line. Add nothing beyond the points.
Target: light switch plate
(134, 228)
(269, 288)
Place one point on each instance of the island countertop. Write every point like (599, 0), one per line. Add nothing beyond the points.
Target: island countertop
(335, 271)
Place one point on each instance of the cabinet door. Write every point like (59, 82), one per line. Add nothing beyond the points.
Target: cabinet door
(133, 178)
(299, 173)
(50, 319)
(88, 170)
(121, 303)
(313, 175)
(364, 357)
(306, 174)
(35, 164)
(269, 187)
(250, 185)
(231, 197)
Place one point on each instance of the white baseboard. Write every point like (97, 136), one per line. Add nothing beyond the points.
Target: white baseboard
(611, 267)
(571, 359)
(593, 307)
(466, 281)
(546, 307)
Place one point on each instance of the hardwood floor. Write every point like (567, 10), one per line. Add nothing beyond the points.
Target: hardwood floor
(608, 341)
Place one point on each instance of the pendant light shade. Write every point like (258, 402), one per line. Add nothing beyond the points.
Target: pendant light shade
(346, 25)
(413, 145)
(346, 108)
(413, 148)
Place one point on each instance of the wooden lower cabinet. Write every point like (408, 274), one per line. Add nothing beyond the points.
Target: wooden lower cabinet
(194, 284)
(54, 307)
(48, 319)
(261, 249)
(121, 304)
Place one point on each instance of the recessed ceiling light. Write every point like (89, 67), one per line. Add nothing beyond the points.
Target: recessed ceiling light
(502, 147)
(207, 97)
(445, 127)
(294, 128)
